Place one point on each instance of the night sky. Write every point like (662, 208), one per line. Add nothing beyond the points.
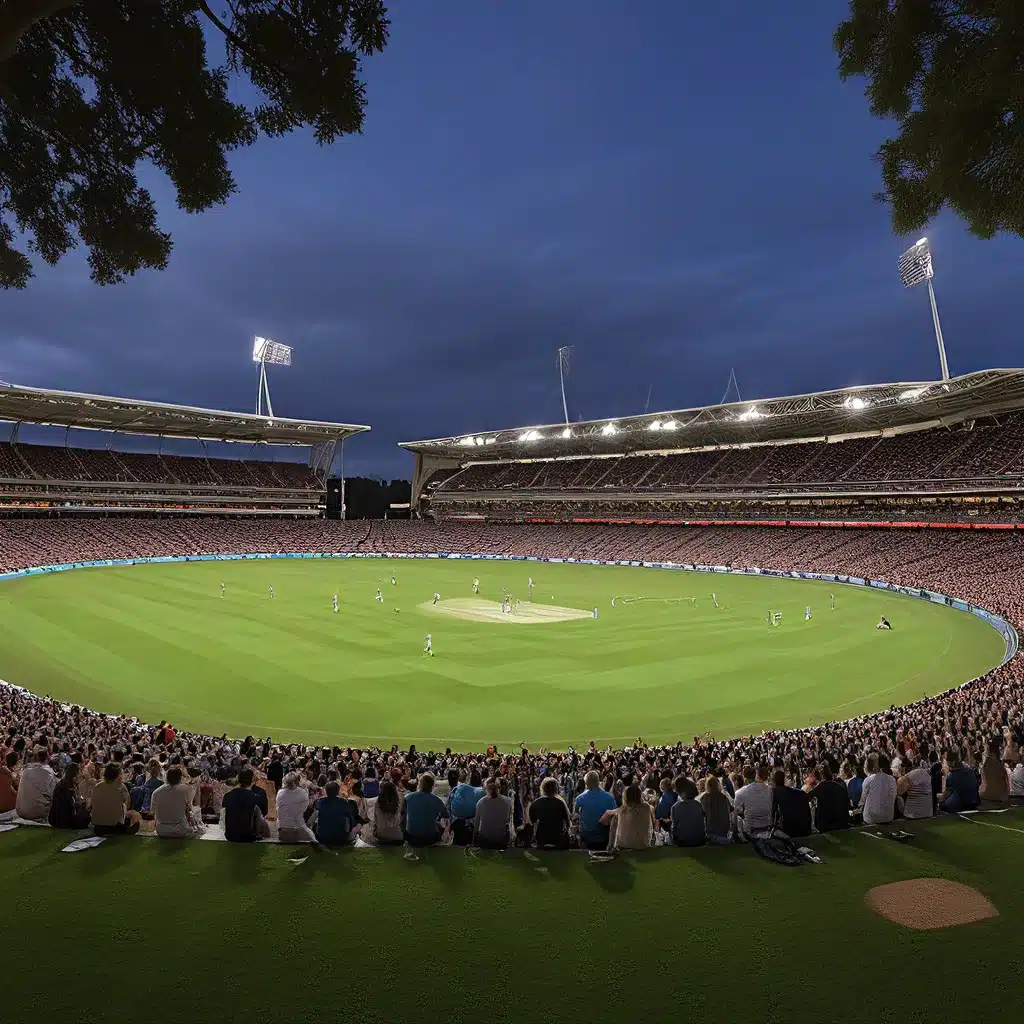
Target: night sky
(674, 189)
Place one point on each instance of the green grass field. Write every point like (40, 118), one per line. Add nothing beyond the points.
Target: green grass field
(162, 930)
(159, 641)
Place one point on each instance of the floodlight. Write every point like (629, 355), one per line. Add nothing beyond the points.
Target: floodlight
(490, 440)
(654, 425)
(468, 441)
(911, 394)
(273, 353)
(753, 413)
(609, 428)
(915, 267)
(529, 435)
(853, 402)
(669, 425)
(567, 432)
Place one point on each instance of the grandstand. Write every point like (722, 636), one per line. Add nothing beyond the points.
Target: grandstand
(906, 453)
(266, 480)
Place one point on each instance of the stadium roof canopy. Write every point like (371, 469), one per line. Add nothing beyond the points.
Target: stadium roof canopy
(158, 419)
(871, 409)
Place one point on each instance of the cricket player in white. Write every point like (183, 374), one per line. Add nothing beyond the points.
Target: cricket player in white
(832, 602)
(437, 597)
(529, 589)
(476, 586)
(271, 589)
(393, 580)
(715, 599)
(334, 606)
(807, 614)
(595, 613)
(428, 646)
(379, 597)
(222, 590)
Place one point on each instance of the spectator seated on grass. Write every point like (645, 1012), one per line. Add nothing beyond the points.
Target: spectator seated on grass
(631, 825)
(142, 795)
(995, 782)
(830, 797)
(689, 826)
(791, 807)
(386, 816)
(914, 787)
(548, 818)
(292, 804)
(462, 804)
(962, 789)
(67, 808)
(1013, 756)
(492, 819)
(8, 785)
(337, 823)
(753, 802)
(591, 806)
(878, 794)
(35, 788)
(244, 821)
(111, 811)
(423, 814)
(172, 808)
(717, 806)
(667, 796)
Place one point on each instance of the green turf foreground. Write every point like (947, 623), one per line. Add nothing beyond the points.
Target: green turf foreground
(159, 641)
(161, 930)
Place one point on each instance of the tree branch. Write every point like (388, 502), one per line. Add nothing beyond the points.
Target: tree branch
(18, 16)
(229, 33)
(238, 42)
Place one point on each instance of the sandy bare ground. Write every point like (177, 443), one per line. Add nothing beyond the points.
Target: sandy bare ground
(490, 611)
(926, 903)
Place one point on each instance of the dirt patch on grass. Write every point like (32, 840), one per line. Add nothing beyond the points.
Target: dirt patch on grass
(490, 611)
(927, 903)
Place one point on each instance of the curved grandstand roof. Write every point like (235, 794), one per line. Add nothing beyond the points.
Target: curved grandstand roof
(873, 408)
(159, 419)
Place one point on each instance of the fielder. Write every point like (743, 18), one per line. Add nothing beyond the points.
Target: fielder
(437, 597)
(379, 596)
(271, 591)
(476, 586)
(428, 646)
(334, 604)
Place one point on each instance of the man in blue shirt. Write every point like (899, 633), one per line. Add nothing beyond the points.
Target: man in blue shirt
(336, 818)
(465, 798)
(590, 805)
(423, 814)
(962, 792)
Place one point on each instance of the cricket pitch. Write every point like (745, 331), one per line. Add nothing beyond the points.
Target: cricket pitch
(490, 611)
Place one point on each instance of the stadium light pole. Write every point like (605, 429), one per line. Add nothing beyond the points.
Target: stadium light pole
(564, 359)
(264, 352)
(915, 267)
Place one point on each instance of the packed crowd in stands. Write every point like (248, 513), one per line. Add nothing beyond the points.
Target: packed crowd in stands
(510, 508)
(950, 753)
(954, 459)
(32, 464)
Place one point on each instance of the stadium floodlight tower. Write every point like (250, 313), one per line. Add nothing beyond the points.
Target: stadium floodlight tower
(264, 352)
(915, 267)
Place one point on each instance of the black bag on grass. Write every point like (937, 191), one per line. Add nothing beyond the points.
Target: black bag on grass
(778, 847)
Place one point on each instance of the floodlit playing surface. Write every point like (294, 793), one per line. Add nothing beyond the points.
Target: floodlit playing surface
(159, 641)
